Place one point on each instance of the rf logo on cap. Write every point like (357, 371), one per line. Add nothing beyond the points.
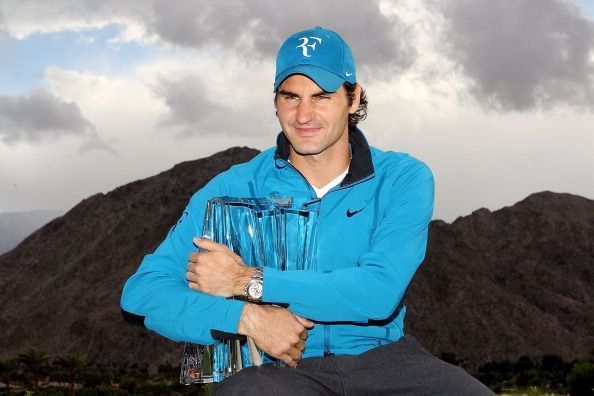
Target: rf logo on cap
(304, 45)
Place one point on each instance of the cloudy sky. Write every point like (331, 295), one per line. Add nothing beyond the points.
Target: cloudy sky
(496, 96)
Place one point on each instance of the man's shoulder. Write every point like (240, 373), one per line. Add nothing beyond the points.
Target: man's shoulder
(261, 160)
(403, 175)
(393, 162)
(237, 179)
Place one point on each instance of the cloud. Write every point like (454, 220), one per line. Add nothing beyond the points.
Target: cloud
(23, 18)
(96, 144)
(259, 27)
(2, 24)
(517, 55)
(522, 54)
(254, 28)
(39, 116)
(188, 103)
(221, 103)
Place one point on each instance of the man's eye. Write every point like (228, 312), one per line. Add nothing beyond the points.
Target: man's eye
(322, 97)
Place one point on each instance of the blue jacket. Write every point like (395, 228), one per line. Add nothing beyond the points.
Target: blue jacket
(366, 259)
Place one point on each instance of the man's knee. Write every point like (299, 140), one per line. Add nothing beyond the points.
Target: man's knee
(455, 380)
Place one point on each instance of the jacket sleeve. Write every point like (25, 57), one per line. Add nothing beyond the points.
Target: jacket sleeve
(159, 291)
(372, 288)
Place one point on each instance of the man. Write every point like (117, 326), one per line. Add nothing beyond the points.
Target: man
(342, 329)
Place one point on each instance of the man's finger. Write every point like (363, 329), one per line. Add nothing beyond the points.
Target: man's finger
(305, 322)
(209, 245)
(303, 335)
(191, 265)
(191, 276)
(289, 361)
(285, 358)
(300, 345)
(295, 354)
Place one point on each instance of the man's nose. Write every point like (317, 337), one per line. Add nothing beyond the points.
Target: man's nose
(305, 112)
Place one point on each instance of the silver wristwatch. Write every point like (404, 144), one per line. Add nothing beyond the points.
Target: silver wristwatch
(254, 288)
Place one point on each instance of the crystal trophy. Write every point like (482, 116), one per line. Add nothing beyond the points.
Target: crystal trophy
(274, 231)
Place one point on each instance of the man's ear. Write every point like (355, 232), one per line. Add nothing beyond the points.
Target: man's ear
(356, 99)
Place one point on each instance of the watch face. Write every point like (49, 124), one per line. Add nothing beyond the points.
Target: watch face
(255, 290)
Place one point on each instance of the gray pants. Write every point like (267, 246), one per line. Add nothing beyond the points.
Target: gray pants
(400, 368)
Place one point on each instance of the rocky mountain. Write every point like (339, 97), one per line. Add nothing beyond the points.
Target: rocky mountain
(15, 226)
(513, 282)
(494, 285)
(60, 287)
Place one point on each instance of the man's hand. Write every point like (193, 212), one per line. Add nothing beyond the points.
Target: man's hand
(276, 331)
(217, 271)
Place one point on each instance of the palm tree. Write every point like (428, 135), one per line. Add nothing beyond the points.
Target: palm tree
(34, 361)
(73, 363)
(8, 369)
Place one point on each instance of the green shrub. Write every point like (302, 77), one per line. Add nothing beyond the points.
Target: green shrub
(581, 379)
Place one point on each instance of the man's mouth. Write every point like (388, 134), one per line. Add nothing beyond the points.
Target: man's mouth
(307, 131)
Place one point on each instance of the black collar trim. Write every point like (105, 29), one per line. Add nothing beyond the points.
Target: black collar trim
(361, 165)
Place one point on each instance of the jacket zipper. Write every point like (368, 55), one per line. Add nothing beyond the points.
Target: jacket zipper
(327, 351)
(312, 193)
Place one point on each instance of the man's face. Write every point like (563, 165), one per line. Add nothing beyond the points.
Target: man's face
(315, 122)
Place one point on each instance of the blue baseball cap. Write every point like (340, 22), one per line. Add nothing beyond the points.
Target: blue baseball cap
(318, 53)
